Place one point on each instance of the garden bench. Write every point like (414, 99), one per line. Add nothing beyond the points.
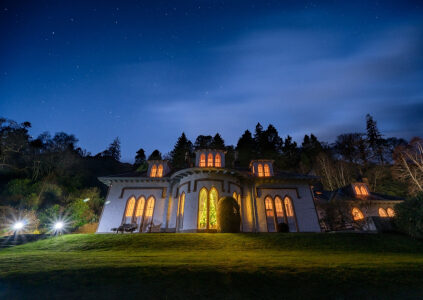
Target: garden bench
(125, 228)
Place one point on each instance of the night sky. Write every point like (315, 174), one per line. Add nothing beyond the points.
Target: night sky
(147, 70)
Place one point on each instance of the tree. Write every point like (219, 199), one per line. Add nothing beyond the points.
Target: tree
(63, 141)
(155, 155)
(113, 150)
(245, 149)
(374, 138)
(181, 153)
(409, 164)
(218, 142)
(140, 157)
(290, 154)
(409, 216)
(347, 146)
(203, 142)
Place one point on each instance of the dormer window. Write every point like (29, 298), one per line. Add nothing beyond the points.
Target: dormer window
(210, 160)
(153, 171)
(217, 161)
(202, 160)
(260, 170)
(360, 190)
(159, 171)
(266, 170)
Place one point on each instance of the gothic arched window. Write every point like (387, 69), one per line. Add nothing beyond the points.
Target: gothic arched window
(260, 170)
(382, 213)
(357, 214)
(266, 170)
(160, 171)
(210, 160)
(217, 161)
(153, 171)
(390, 212)
(202, 160)
(129, 211)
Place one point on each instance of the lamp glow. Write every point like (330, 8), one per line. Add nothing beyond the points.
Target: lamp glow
(18, 225)
(58, 225)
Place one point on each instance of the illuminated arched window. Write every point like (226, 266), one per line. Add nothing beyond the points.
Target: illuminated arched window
(270, 216)
(202, 209)
(148, 216)
(266, 170)
(235, 196)
(202, 160)
(153, 171)
(217, 161)
(181, 210)
(382, 213)
(160, 171)
(390, 212)
(210, 160)
(357, 214)
(260, 170)
(129, 211)
(279, 210)
(357, 191)
(290, 214)
(207, 211)
(363, 191)
(139, 211)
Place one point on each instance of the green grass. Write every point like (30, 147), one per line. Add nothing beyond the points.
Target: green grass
(214, 266)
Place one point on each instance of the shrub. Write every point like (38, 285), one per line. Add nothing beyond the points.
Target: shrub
(228, 217)
(283, 227)
(409, 216)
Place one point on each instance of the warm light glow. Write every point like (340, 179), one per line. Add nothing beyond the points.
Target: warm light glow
(268, 203)
(357, 191)
(202, 160)
(363, 191)
(260, 170)
(148, 217)
(181, 210)
(217, 161)
(202, 209)
(391, 212)
(210, 160)
(279, 209)
(160, 171)
(266, 170)
(357, 214)
(383, 213)
(153, 171)
(207, 208)
(129, 212)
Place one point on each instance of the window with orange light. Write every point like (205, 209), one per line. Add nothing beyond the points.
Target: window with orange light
(129, 211)
(390, 212)
(202, 160)
(266, 170)
(160, 171)
(357, 190)
(357, 214)
(363, 191)
(217, 161)
(153, 171)
(260, 170)
(210, 160)
(383, 213)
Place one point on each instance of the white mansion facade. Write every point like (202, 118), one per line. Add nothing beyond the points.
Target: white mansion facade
(163, 200)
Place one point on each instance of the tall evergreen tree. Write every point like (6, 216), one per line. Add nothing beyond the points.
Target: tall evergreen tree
(218, 142)
(181, 152)
(113, 150)
(140, 157)
(245, 149)
(203, 142)
(374, 138)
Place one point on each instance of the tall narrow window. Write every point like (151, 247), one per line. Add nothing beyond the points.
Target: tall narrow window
(217, 161)
(266, 170)
(160, 171)
(213, 208)
(139, 211)
(270, 216)
(202, 160)
(181, 211)
(260, 170)
(290, 214)
(363, 191)
(129, 212)
(148, 218)
(279, 210)
(390, 212)
(202, 209)
(210, 160)
(153, 171)
(382, 213)
(357, 214)
(357, 191)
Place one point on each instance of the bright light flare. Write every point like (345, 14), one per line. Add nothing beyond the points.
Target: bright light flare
(18, 226)
(58, 225)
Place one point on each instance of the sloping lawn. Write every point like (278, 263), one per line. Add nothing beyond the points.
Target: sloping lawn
(223, 266)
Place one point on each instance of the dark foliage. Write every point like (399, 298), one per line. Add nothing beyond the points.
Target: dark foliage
(283, 227)
(155, 155)
(409, 216)
(182, 152)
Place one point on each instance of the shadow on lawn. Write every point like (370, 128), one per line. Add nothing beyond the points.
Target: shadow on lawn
(186, 282)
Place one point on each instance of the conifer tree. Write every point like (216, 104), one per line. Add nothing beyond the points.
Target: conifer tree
(374, 138)
(218, 142)
(181, 153)
(245, 148)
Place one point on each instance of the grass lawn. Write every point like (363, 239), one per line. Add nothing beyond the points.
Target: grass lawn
(214, 266)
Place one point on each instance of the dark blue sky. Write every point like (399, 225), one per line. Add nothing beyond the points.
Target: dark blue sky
(147, 70)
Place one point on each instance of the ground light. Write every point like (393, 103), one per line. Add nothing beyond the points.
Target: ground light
(58, 227)
(18, 226)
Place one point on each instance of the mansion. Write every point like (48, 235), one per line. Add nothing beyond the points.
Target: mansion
(166, 200)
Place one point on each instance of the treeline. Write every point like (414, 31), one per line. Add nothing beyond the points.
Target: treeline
(51, 175)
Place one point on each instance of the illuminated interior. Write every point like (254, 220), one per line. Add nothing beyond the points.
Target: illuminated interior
(260, 170)
(357, 214)
(266, 170)
(129, 212)
(153, 171)
(181, 210)
(159, 171)
(217, 161)
(202, 160)
(210, 160)
(278, 211)
(390, 212)
(207, 205)
(383, 213)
